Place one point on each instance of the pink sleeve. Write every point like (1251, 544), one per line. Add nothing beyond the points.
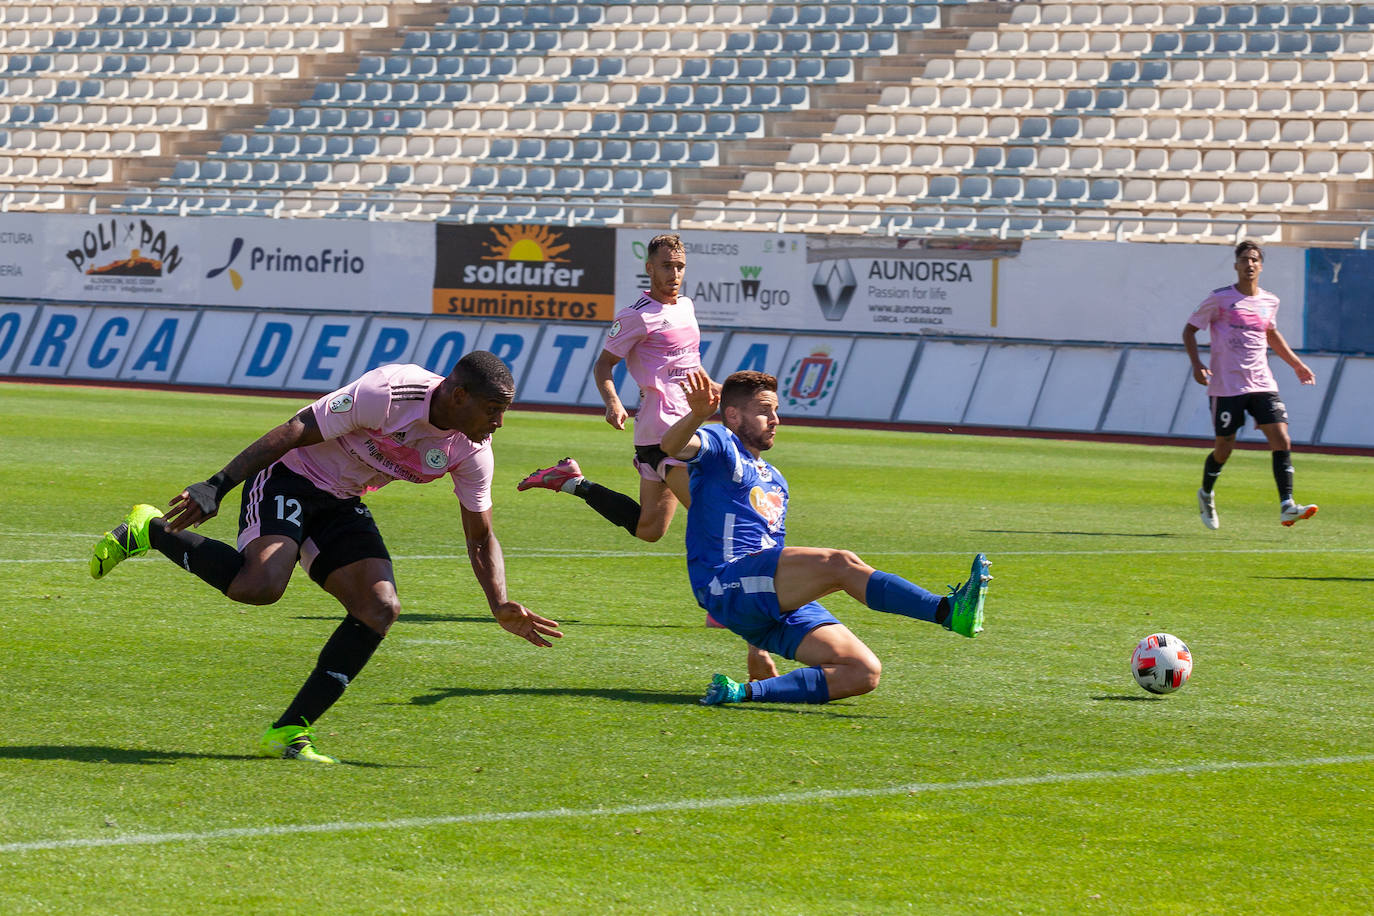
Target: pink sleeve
(361, 404)
(626, 331)
(472, 480)
(1206, 312)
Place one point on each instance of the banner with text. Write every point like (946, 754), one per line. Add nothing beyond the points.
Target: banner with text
(348, 265)
(540, 272)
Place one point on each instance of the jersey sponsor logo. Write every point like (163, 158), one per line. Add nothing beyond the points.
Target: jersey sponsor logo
(436, 458)
(767, 504)
(342, 404)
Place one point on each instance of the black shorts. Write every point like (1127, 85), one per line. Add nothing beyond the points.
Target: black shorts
(1228, 414)
(331, 532)
(653, 462)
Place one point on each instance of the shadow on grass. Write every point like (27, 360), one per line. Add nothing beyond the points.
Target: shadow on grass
(1319, 578)
(1089, 534)
(424, 618)
(664, 698)
(99, 753)
(440, 694)
(562, 621)
(1129, 698)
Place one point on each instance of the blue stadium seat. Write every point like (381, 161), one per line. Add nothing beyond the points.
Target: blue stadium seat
(1021, 157)
(1207, 15)
(1037, 189)
(558, 148)
(1333, 14)
(596, 179)
(1240, 14)
(1301, 15)
(987, 157)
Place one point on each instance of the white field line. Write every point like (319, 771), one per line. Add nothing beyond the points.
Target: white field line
(538, 553)
(687, 804)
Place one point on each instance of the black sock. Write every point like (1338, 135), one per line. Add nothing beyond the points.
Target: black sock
(1210, 469)
(214, 561)
(616, 508)
(340, 661)
(1283, 473)
(942, 612)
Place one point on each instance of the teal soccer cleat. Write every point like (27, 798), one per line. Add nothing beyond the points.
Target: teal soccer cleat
(723, 690)
(966, 601)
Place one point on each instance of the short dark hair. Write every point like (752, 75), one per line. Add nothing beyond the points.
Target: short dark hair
(1248, 245)
(667, 240)
(484, 374)
(740, 387)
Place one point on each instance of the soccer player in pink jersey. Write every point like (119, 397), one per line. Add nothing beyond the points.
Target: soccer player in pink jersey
(660, 342)
(303, 483)
(1241, 323)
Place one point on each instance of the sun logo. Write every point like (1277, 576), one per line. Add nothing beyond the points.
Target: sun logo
(525, 243)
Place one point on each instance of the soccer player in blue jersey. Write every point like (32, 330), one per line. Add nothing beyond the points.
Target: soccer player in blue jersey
(742, 573)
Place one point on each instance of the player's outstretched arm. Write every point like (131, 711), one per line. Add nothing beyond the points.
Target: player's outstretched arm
(703, 399)
(489, 566)
(200, 501)
(1284, 352)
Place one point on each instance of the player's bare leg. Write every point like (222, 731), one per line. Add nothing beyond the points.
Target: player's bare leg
(268, 562)
(760, 664)
(850, 667)
(657, 504)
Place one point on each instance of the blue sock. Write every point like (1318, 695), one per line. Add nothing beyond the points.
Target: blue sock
(804, 685)
(894, 595)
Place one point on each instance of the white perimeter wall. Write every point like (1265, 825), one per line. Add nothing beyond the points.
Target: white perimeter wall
(945, 381)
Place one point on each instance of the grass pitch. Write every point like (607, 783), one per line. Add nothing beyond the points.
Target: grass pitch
(1021, 772)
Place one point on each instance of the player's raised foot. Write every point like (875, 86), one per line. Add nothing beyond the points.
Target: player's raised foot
(1290, 513)
(292, 742)
(552, 478)
(723, 690)
(1207, 509)
(966, 601)
(127, 539)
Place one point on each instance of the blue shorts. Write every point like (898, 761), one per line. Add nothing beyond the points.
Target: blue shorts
(741, 598)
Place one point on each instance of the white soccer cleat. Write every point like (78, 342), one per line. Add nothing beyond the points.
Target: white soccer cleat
(1207, 509)
(1291, 513)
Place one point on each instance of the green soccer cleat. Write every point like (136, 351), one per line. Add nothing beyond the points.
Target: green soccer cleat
(292, 742)
(723, 690)
(128, 539)
(966, 601)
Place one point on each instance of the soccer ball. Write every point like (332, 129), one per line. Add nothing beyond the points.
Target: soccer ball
(1161, 663)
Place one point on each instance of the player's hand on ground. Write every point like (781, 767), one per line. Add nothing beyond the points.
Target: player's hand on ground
(526, 624)
(186, 511)
(616, 415)
(703, 395)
